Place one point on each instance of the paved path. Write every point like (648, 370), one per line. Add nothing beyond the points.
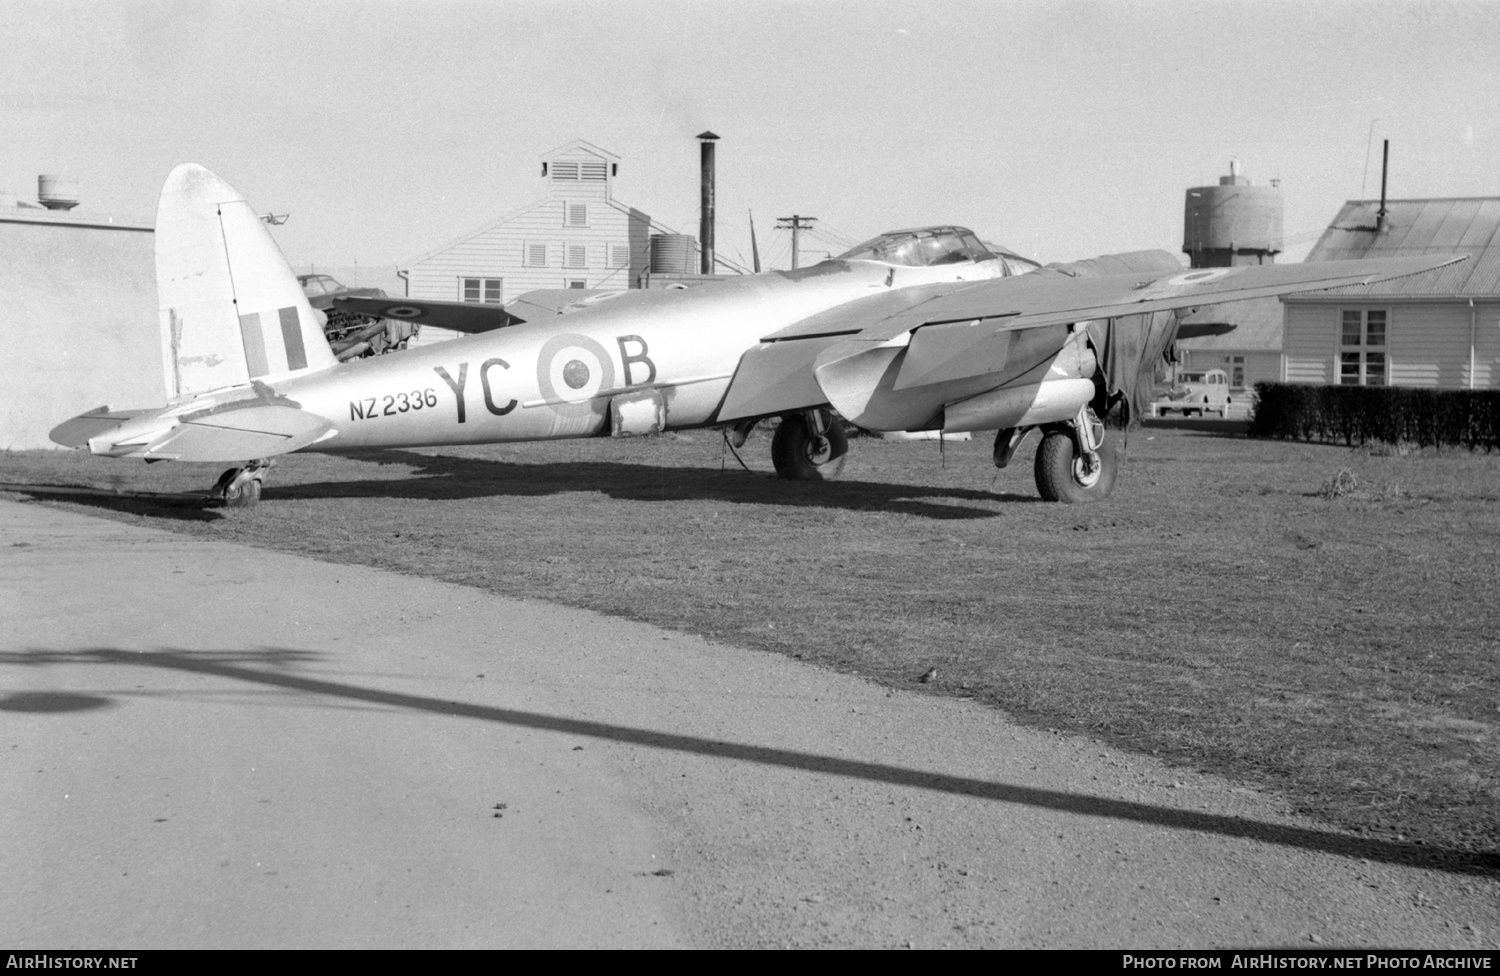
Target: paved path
(208, 745)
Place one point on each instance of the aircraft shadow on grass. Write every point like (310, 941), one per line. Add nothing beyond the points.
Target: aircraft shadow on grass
(441, 476)
(178, 511)
(279, 668)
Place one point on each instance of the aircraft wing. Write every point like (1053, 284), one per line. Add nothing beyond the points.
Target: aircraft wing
(956, 330)
(777, 375)
(472, 317)
(963, 333)
(464, 317)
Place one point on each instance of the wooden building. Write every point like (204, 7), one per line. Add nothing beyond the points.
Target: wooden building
(1440, 329)
(1249, 353)
(577, 235)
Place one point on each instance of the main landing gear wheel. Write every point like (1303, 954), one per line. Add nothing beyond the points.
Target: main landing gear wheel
(1064, 474)
(240, 487)
(809, 447)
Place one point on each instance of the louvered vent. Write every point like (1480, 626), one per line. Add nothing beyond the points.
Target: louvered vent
(619, 255)
(564, 171)
(578, 256)
(578, 215)
(592, 170)
(536, 255)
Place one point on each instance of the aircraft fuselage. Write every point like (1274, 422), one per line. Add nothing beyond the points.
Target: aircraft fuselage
(556, 377)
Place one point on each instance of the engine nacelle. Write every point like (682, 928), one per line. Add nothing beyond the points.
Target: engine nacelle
(1025, 406)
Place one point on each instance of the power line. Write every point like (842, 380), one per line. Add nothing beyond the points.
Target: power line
(844, 239)
(830, 239)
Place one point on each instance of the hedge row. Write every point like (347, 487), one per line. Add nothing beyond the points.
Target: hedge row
(1391, 414)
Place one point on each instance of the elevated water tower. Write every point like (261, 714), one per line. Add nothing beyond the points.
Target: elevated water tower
(57, 192)
(1232, 224)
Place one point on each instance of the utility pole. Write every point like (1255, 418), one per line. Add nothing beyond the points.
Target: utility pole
(795, 223)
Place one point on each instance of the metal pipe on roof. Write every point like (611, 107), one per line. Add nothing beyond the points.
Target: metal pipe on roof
(1381, 224)
(706, 220)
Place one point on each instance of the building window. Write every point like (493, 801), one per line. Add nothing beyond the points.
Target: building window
(536, 255)
(486, 290)
(1362, 347)
(577, 283)
(576, 214)
(577, 256)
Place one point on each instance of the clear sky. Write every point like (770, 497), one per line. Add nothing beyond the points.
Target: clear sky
(1062, 129)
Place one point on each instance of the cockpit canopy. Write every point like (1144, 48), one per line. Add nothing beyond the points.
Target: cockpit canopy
(923, 247)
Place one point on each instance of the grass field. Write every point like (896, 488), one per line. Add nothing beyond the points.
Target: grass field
(1315, 620)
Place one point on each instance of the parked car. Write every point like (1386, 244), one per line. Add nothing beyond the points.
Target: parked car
(1197, 392)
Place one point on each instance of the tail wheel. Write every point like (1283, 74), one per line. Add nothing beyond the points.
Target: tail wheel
(1064, 474)
(801, 454)
(238, 488)
(243, 495)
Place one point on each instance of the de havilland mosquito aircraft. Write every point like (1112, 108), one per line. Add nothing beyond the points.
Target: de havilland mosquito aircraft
(922, 329)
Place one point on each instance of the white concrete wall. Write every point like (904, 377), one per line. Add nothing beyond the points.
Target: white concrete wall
(79, 324)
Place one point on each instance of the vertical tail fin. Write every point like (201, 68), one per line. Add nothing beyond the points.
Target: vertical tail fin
(231, 309)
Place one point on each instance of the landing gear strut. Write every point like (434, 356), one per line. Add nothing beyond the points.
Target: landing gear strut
(240, 487)
(809, 446)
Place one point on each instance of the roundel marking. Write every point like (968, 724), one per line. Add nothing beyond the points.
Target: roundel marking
(576, 374)
(403, 311)
(573, 368)
(1200, 277)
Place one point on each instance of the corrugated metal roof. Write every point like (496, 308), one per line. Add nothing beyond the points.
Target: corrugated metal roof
(1468, 226)
(1257, 325)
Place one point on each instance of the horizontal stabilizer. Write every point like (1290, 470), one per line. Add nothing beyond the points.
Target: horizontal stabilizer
(467, 317)
(236, 434)
(78, 431)
(234, 431)
(1199, 330)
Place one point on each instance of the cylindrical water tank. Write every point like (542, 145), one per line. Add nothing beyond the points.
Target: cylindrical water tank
(1239, 217)
(57, 192)
(673, 253)
(1234, 216)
